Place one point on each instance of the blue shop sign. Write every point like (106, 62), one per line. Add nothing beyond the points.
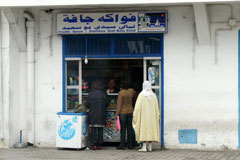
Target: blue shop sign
(105, 23)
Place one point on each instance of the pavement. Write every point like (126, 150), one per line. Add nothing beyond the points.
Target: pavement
(110, 153)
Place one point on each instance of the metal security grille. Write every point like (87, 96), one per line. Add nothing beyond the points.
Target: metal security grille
(138, 45)
(113, 45)
(98, 46)
(74, 46)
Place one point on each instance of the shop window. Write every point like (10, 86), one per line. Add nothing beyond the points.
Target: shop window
(72, 81)
(72, 99)
(72, 73)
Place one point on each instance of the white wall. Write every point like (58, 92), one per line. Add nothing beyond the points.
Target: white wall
(48, 81)
(4, 142)
(14, 92)
(201, 82)
(13, 85)
(200, 93)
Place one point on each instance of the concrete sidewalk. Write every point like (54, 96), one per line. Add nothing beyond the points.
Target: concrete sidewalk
(110, 153)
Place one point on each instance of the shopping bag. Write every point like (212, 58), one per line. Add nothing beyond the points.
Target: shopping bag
(118, 126)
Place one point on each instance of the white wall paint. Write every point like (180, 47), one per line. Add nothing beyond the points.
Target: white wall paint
(14, 92)
(49, 92)
(14, 112)
(5, 80)
(200, 92)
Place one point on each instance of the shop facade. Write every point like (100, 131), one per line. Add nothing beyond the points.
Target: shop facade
(110, 47)
(194, 70)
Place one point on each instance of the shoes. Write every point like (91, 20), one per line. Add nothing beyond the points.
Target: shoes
(149, 147)
(97, 147)
(94, 147)
(131, 147)
(142, 150)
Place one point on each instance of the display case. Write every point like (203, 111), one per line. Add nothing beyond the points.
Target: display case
(110, 132)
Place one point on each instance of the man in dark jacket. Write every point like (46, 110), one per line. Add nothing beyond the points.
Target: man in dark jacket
(97, 103)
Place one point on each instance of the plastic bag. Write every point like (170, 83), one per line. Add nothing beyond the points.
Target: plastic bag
(118, 126)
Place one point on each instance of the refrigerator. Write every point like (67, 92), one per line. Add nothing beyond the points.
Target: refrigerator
(72, 130)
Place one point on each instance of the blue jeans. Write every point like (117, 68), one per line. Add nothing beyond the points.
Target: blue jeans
(126, 123)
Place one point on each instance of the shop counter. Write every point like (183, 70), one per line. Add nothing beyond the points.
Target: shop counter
(72, 130)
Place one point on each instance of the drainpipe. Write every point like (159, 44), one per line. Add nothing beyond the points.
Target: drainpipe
(1, 88)
(30, 78)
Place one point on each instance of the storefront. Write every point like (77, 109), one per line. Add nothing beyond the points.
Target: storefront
(200, 74)
(135, 56)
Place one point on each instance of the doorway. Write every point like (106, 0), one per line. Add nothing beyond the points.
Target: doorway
(79, 77)
(100, 50)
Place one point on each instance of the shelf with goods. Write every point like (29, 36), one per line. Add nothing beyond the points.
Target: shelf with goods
(106, 70)
(110, 132)
(72, 99)
(103, 73)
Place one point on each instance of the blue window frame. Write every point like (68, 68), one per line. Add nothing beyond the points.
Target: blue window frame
(239, 90)
(100, 46)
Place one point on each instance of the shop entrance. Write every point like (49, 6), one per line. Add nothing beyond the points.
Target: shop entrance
(112, 72)
(80, 77)
(113, 56)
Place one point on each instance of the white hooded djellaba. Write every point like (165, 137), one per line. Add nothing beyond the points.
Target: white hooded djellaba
(146, 115)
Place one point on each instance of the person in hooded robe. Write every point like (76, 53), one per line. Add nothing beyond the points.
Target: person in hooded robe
(146, 118)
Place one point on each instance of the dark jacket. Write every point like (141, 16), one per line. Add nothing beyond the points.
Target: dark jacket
(97, 103)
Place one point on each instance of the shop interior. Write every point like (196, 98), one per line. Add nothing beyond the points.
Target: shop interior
(117, 69)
